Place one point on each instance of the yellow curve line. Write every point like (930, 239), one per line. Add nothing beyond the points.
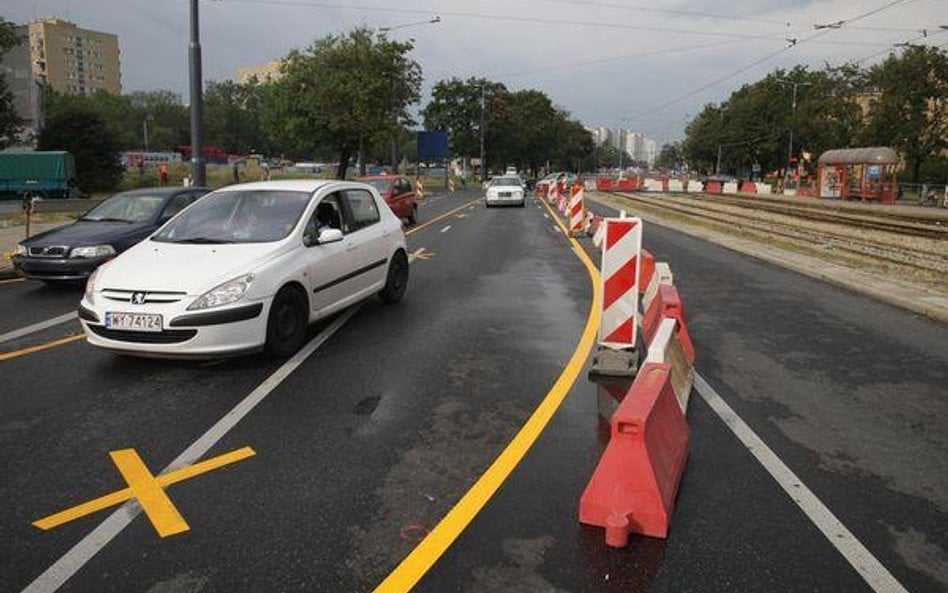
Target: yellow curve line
(407, 574)
(41, 347)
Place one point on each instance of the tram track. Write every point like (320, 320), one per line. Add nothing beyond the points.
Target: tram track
(793, 226)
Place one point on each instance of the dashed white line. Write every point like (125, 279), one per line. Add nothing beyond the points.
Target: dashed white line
(445, 229)
(25, 331)
(861, 559)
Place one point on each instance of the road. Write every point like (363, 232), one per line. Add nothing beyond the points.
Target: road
(367, 443)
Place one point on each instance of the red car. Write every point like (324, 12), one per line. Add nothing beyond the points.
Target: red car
(398, 193)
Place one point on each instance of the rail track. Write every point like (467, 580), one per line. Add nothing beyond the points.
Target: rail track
(746, 215)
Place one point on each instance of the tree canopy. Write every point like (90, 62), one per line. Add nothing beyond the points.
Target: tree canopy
(9, 120)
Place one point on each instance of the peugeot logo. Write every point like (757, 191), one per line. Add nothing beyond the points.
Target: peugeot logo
(138, 298)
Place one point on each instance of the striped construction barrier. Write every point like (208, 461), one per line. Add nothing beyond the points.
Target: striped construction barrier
(648, 270)
(621, 252)
(577, 211)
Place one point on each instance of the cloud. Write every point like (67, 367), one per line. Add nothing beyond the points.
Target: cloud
(602, 63)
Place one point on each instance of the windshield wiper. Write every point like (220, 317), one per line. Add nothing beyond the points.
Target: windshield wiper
(201, 241)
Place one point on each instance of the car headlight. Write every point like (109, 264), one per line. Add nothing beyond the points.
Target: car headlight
(92, 251)
(223, 294)
(90, 285)
(21, 250)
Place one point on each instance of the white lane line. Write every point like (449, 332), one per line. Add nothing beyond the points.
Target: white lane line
(861, 559)
(445, 229)
(556, 229)
(545, 215)
(25, 331)
(69, 564)
(416, 254)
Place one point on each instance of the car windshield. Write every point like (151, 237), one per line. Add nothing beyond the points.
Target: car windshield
(252, 216)
(381, 185)
(126, 207)
(506, 182)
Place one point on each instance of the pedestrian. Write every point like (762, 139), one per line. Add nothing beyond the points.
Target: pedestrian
(236, 173)
(163, 174)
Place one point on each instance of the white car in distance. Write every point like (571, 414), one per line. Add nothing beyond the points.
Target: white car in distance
(245, 268)
(508, 189)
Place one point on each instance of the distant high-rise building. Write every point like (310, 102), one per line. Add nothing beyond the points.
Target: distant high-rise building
(263, 73)
(73, 60)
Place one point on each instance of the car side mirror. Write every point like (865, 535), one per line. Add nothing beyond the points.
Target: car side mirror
(329, 236)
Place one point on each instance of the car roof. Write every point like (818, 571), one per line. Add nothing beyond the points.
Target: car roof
(307, 185)
(376, 177)
(160, 191)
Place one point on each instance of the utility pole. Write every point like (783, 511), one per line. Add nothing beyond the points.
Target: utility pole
(793, 113)
(483, 154)
(198, 169)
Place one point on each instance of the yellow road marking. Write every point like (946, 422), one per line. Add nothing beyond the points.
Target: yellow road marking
(421, 253)
(157, 506)
(41, 347)
(147, 489)
(11, 281)
(407, 574)
(442, 217)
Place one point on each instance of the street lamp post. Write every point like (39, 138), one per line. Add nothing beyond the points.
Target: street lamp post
(793, 113)
(483, 153)
(198, 168)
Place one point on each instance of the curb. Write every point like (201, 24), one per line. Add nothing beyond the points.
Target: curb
(841, 276)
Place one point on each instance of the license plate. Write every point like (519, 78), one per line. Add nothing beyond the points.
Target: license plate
(142, 322)
(504, 194)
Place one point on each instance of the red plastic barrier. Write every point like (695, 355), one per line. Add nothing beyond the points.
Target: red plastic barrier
(634, 486)
(665, 184)
(604, 184)
(748, 187)
(625, 184)
(713, 187)
(648, 269)
(667, 303)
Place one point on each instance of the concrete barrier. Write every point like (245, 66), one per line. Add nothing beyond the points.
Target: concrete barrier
(666, 347)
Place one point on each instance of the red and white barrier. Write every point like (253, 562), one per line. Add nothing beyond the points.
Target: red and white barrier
(730, 187)
(634, 486)
(667, 348)
(662, 275)
(621, 252)
(577, 209)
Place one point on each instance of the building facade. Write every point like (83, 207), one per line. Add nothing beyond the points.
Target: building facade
(263, 73)
(16, 68)
(73, 60)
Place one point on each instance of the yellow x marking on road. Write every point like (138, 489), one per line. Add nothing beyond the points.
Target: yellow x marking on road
(147, 489)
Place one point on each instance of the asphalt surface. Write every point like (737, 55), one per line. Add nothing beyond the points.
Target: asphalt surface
(367, 444)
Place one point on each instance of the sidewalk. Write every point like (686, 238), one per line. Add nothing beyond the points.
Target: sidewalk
(11, 235)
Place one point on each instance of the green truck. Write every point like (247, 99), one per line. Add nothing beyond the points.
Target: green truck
(45, 174)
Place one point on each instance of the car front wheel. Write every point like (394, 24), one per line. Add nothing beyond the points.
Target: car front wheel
(286, 326)
(397, 280)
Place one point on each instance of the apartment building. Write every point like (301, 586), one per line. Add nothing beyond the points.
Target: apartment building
(73, 60)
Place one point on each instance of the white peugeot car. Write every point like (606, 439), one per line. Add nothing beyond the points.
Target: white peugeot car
(505, 190)
(246, 268)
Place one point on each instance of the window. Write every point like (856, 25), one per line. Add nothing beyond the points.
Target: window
(328, 214)
(362, 207)
(177, 204)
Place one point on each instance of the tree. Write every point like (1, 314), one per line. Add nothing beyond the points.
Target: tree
(670, 156)
(911, 114)
(456, 108)
(344, 92)
(10, 121)
(85, 134)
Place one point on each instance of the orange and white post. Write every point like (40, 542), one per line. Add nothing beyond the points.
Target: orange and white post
(577, 211)
(621, 254)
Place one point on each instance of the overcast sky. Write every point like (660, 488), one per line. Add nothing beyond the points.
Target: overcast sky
(642, 65)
